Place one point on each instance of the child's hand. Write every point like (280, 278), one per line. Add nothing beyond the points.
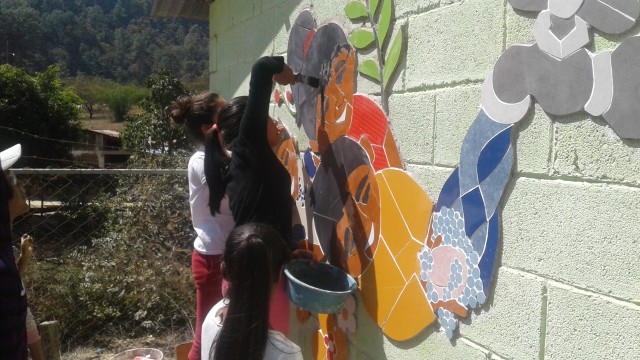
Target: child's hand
(26, 245)
(285, 77)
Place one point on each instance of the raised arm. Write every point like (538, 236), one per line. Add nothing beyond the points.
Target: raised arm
(253, 126)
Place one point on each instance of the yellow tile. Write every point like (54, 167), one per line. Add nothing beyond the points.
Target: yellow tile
(392, 225)
(407, 259)
(411, 314)
(381, 284)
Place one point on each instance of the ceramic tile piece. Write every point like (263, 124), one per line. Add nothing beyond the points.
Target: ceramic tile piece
(309, 163)
(381, 284)
(391, 151)
(346, 206)
(602, 92)
(551, 44)
(625, 108)
(407, 260)
(325, 41)
(411, 314)
(509, 80)
(479, 238)
(369, 120)
(450, 191)
(565, 8)
(493, 186)
(487, 260)
(608, 18)
(297, 37)
(529, 5)
(474, 213)
(560, 87)
(481, 131)
(499, 110)
(391, 216)
(562, 27)
(493, 152)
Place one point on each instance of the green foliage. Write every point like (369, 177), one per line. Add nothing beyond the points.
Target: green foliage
(121, 98)
(152, 131)
(381, 27)
(38, 112)
(114, 39)
(89, 89)
(134, 278)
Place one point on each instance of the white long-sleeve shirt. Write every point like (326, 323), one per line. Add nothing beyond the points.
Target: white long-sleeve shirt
(211, 231)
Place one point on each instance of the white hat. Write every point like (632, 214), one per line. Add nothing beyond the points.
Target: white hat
(10, 156)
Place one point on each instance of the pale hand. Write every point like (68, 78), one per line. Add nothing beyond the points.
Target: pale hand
(285, 77)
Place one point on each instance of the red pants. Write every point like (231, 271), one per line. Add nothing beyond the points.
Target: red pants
(208, 278)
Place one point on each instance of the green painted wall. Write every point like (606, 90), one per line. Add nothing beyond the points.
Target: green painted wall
(568, 282)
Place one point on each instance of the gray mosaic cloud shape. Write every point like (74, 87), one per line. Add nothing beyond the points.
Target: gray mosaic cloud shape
(610, 16)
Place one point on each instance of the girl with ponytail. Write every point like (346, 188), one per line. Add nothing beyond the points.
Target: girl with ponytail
(199, 114)
(237, 328)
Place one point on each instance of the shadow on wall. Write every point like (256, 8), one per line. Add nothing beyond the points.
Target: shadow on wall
(239, 35)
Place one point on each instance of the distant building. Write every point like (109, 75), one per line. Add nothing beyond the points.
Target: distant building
(100, 147)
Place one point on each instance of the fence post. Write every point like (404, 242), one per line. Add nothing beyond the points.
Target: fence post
(50, 334)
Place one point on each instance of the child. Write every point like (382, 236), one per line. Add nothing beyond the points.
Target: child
(238, 326)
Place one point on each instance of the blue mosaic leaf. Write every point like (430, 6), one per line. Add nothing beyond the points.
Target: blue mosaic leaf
(493, 186)
(493, 153)
(489, 256)
(450, 191)
(474, 211)
(309, 164)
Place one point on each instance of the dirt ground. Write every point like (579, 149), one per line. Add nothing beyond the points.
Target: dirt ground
(165, 344)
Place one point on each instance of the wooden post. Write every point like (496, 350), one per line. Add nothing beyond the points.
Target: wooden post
(50, 334)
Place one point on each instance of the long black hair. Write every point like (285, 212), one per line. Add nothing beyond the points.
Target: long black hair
(254, 255)
(216, 160)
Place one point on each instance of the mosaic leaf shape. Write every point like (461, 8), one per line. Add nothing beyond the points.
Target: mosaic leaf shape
(373, 5)
(361, 39)
(393, 58)
(385, 21)
(355, 10)
(370, 69)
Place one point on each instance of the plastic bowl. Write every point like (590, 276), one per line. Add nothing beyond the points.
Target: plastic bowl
(321, 288)
(141, 353)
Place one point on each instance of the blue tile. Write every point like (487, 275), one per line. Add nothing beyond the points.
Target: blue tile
(493, 186)
(474, 211)
(450, 191)
(309, 165)
(493, 153)
(479, 238)
(488, 257)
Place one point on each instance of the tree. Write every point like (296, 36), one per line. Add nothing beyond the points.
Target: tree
(38, 112)
(121, 98)
(90, 89)
(152, 130)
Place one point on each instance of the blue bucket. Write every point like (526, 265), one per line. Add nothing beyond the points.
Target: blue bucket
(320, 288)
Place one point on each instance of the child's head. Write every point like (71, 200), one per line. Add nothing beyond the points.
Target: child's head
(198, 113)
(252, 263)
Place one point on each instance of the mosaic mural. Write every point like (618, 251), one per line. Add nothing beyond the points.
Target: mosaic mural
(420, 260)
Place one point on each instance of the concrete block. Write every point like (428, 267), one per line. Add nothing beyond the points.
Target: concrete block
(239, 78)
(578, 233)
(412, 7)
(519, 26)
(284, 16)
(411, 117)
(590, 149)
(240, 11)
(430, 178)
(230, 48)
(219, 83)
(456, 109)
(219, 18)
(584, 326)
(213, 52)
(533, 138)
(435, 347)
(454, 43)
(258, 37)
(515, 303)
(332, 11)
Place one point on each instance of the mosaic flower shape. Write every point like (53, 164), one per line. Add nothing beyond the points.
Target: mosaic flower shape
(346, 317)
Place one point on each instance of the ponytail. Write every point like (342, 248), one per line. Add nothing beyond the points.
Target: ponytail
(216, 161)
(215, 169)
(253, 257)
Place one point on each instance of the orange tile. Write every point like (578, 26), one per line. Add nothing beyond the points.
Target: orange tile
(407, 259)
(411, 314)
(392, 225)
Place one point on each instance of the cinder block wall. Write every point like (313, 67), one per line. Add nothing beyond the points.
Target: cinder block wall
(568, 278)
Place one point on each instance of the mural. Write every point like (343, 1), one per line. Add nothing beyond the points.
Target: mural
(418, 260)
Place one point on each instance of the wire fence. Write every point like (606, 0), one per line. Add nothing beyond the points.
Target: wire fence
(112, 252)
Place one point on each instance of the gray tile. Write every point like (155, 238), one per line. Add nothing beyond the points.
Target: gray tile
(602, 94)
(509, 78)
(605, 18)
(499, 110)
(529, 5)
(560, 87)
(565, 8)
